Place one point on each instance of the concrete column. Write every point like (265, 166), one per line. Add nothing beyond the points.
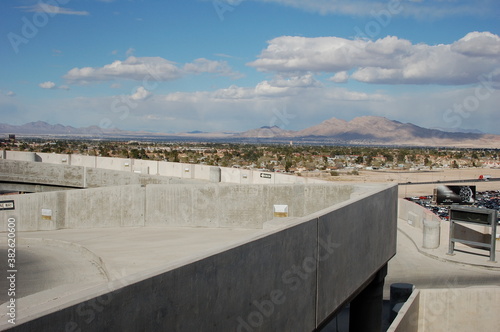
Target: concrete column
(366, 309)
(432, 234)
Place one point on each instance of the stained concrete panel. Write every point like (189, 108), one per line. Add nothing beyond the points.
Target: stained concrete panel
(361, 234)
(261, 284)
(106, 207)
(30, 172)
(28, 212)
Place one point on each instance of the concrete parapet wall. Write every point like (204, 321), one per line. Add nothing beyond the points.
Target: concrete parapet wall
(86, 208)
(76, 176)
(235, 205)
(282, 279)
(210, 205)
(105, 207)
(460, 309)
(162, 168)
(361, 233)
(408, 316)
(450, 309)
(246, 176)
(41, 173)
(415, 214)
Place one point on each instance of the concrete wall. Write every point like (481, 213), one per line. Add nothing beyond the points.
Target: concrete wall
(210, 205)
(77, 176)
(179, 170)
(415, 214)
(87, 208)
(246, 176)
(235, 205)
(460, 309)
(286, 279)
(408, 316)
(362, 237)
(450, 309)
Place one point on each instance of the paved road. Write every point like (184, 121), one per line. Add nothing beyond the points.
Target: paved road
(424, 272)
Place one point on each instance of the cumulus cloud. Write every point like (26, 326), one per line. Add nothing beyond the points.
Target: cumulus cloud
(388, 60)
(11, 94)
(478, 44)
(340, 77)
(52, 10)
(47, 85)
(147, 68)
(140, 94)
(139, 69)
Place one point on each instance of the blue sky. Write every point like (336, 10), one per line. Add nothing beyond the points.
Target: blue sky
(234, 65)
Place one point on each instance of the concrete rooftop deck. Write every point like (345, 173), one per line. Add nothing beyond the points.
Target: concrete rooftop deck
(61, 264)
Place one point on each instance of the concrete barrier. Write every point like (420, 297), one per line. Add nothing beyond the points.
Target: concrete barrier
(289, 278)
(432, 234)
(450, 309)
(210, 205)
(421, 218)
(87, 208)
(77, 176)
(408, 316)
(163, 168)
(235, 205)
(415, 214)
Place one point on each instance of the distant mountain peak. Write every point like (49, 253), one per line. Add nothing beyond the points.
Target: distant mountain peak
(367, 130)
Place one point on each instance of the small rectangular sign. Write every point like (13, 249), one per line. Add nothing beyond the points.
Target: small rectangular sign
(46, 214)
(265, 175)
(7, 205)
(280, 211)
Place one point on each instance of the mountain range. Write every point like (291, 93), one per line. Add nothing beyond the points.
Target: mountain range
(364, 130)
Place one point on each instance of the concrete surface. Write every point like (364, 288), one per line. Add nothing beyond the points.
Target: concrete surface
(208, 205)
(450, 309)
(191, 279)
(181, 171)
(453, 293)
(255, 277)
(78, 176)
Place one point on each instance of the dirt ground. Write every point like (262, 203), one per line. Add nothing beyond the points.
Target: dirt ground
(413, 189)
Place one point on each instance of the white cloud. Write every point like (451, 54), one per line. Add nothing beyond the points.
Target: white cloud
(203, 65)
(296, 88)
(11, 94)
(478, 44)
(389, 60)
(139, 69)
(47, 85)
(340, 77)
(140, 94)
(51, 85)
(51, 10)
(147, 68)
